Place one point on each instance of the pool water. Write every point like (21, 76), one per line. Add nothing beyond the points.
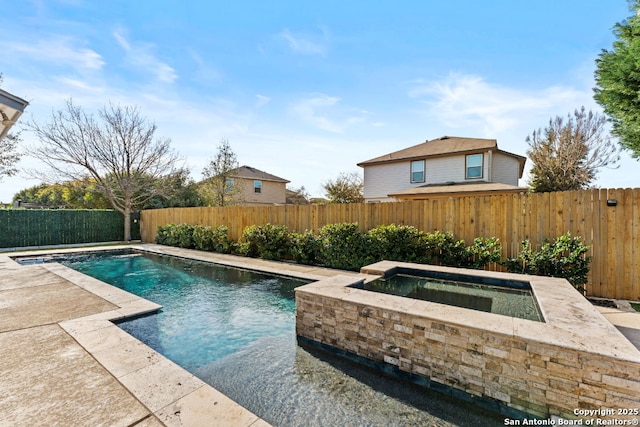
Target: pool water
(515, 301)
(235, 330)
(208, 313)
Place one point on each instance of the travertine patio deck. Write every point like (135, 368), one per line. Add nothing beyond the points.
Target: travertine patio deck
(63, 362)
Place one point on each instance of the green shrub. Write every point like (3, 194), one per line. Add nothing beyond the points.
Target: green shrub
(306, 248)
(265, 241)
(344, 247)
(397, 243)
(482, 252)
(340, 246)
(184, 235)
(215, 240)
(161, 234)
(443, 249)
(564, 257)
(166, 235)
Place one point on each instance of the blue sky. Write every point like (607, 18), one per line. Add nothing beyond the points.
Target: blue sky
(306, 90)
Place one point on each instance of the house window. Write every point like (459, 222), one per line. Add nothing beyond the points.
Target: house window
(417, 171)
(228, 185)
(474, 166)
(257, 187)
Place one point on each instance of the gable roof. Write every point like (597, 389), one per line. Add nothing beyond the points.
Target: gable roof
(252, 173)
(443, 146)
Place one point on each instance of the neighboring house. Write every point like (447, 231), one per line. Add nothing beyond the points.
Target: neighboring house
(442, 167)
(255, 187)
(11, 107)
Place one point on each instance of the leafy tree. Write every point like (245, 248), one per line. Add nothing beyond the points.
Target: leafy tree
(118, 151)
(347, 188)
(567, 154)
(219, 186)
(41, 195)
(84, 194)
(81, 194)
(180, 191)
(9, 154)
(617, 78)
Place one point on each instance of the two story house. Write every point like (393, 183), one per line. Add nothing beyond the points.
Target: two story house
(255, 187)
(440, 168)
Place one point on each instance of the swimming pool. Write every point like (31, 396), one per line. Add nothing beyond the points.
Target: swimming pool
(235, 329)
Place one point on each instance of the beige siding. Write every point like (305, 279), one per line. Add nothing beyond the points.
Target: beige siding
(380, 180)
(272, 192)
(445, 169)
(505, 169)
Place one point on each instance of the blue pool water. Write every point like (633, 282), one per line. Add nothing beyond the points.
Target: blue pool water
(208, 313)
(235, 330)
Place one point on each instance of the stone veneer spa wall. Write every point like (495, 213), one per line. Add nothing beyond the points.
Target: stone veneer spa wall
(573, 360)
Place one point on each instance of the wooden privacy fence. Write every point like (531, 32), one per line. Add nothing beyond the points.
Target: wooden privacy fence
(612, 232)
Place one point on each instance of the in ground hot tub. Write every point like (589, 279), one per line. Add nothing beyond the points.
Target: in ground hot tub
(519, 367)
(489, 294)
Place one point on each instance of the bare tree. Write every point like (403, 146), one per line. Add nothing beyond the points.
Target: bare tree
(297, 196)
(118, 151)
(220, 186)
(566, 155)
(347, 188)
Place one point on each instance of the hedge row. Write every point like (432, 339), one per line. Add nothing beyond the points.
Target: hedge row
(26, 227)
(344, 247)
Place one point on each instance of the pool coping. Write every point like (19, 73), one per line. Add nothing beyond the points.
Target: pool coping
(566, 313)
(173, 395)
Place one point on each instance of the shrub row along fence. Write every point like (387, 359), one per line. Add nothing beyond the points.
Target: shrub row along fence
(344, 247)
(607, 220)
(24, 228)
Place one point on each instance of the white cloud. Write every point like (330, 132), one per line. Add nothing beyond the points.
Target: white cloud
(261, 100)
(203, 71)
(316, 110)
(80, 85)
(303, 44)
(57, 50)
(140, 56)
(468, 105)
(468, 101)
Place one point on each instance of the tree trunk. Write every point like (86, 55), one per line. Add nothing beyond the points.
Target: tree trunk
(127, 224)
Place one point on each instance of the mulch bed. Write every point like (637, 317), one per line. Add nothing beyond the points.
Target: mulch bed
(603, 302)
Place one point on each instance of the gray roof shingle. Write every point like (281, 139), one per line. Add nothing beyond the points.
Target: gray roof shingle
(252, 173)
(442, 146)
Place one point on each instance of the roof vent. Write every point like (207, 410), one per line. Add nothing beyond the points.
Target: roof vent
(443, 137)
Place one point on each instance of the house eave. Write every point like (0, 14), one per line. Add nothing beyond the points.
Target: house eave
(11, 108)
(457, 189)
